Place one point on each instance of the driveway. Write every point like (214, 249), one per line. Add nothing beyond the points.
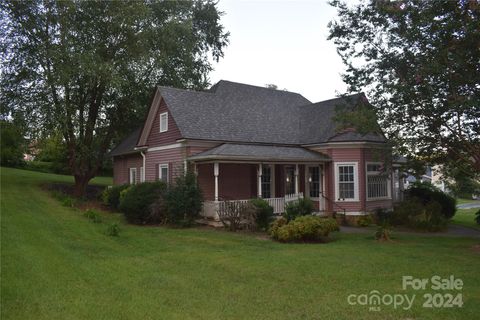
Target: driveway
(470, 205)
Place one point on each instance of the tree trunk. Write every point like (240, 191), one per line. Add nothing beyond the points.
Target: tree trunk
(81, 182)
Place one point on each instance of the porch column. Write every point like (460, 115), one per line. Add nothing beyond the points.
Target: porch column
(296, 179)
(215, 173)
(260, 172)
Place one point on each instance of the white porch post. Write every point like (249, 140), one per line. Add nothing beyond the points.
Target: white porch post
(260, 172)
(195, 169)
(296, 179)
(215, 173)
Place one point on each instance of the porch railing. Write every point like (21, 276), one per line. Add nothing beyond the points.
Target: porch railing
(211, 209)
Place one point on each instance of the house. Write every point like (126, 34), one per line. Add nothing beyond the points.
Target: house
(244, 141)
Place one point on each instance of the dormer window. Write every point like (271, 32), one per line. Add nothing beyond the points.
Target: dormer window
(164, 122)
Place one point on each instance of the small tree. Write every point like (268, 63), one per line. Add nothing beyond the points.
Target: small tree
(12, 144)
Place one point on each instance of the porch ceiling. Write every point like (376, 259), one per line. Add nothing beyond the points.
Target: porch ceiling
(259, 153)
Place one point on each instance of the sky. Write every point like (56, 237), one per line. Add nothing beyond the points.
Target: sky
(282, 43)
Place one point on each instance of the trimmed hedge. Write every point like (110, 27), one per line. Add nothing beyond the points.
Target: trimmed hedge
(303, 229)
(136, 201)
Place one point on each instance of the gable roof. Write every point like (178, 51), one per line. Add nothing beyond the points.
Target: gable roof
(236, 112)
(241, 113)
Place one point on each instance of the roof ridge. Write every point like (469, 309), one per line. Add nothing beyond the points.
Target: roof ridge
(259, 87)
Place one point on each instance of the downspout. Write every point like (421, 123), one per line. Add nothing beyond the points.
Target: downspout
(143, 171)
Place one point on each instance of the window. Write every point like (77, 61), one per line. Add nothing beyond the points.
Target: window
(133, 176)
(266, 181)
(346, 181)
(377, 182)
(314, 181)
(163, 172)
(164, 122)
(289, 180)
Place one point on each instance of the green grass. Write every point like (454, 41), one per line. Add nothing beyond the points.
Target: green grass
(56, 264)
(466, 217)
(463, 201)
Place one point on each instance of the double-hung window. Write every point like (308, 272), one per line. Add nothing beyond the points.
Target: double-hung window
(164, 122)
(377, 182)
(163, 172)
(346, 181)
(266, 181)
(133, 175)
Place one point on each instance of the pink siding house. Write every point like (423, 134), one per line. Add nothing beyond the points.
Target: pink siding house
(244, 141)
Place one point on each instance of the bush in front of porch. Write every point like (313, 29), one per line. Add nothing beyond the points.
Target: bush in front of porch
(303, 229)
(298, 208)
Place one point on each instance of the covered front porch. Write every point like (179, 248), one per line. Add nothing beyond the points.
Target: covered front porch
(277, 174)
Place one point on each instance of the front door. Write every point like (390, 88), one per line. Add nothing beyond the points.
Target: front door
(314, 184)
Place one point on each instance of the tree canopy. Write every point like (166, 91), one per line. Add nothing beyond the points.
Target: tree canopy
(419, 64)
(87, 68)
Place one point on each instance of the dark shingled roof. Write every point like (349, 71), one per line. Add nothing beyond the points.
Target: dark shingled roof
(236, 112)
(127, 145)
(259, 152)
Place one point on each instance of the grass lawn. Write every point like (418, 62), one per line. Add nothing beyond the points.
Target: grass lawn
(466, 217)
(55, 264)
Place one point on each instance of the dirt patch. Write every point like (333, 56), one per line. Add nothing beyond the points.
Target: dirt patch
(476, 248)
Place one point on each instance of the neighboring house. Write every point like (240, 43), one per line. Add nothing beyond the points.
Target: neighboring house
(244, 141)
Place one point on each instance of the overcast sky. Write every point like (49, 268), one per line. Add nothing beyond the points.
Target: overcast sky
(283, 43)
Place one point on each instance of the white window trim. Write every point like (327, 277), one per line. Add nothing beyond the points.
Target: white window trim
(389, 183)
(166, 123)
(160, 167)
(130, 170)
(355, 181)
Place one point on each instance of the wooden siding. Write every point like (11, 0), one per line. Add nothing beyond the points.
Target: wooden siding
(360, 156)
(122, 165)
(172, 157)
(157, 138)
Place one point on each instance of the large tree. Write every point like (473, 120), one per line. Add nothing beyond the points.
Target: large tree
(419, 64)
(87, 68)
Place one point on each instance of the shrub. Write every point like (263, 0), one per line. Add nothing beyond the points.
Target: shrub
(365, 221)
(280, 222)
(233, 214)
(183, 200)
(263, 213)
(428, 193)
(383, 233)
(135, 201)
(93, 216)
(111, 195)
(304, 228)
(415, 214)
(113, 230)
(477, 216)
(297, 208)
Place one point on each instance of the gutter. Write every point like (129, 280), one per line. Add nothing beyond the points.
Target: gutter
(142, 153)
